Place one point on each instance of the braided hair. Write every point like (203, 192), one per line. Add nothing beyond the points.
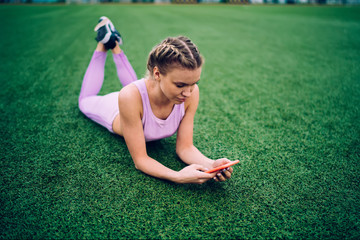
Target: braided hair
(174, 52)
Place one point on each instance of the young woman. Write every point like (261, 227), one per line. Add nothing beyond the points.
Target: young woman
(152, 108)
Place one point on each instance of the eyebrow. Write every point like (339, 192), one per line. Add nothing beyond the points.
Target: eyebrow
(186, 83)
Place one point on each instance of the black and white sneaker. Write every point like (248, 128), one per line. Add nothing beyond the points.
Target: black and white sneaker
(107, 34)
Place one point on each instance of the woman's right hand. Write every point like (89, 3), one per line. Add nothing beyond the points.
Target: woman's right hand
(194, 173)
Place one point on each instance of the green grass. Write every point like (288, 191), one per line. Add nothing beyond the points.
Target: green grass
(280, 91)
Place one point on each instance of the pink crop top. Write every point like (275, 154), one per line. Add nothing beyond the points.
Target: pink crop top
(155, 128)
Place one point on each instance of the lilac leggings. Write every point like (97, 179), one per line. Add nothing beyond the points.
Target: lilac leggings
(103, 109)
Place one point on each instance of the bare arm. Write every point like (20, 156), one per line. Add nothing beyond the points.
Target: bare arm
(130, 106)
(185, 148)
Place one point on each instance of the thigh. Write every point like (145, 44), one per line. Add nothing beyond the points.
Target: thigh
(101, 109)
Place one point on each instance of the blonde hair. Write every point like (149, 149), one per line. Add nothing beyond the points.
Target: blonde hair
(174, 52)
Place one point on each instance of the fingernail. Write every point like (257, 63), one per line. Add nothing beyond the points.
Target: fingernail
(227, 169)
(219, 174)
(214, 178)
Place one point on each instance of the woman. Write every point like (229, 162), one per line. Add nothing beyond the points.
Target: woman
(155, 107)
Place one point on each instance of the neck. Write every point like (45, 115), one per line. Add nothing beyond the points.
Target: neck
(155, 93)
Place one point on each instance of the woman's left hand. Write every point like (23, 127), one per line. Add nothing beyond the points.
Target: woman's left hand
(224, 174)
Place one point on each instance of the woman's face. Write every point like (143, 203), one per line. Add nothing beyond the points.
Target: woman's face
(178, 84)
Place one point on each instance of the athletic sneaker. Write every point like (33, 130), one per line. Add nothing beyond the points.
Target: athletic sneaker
(107, 34)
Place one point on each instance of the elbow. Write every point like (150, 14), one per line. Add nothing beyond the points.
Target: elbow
(136, 166)
(179, 151)
(139, 164)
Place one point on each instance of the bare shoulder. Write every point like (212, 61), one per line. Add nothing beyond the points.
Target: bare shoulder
(129, 92)
(193, 101)
(130, 99)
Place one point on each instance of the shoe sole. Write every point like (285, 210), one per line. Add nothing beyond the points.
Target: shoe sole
(100, 24)
(107, 36)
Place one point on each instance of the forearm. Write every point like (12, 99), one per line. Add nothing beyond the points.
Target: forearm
(153, 168)
(192, 155)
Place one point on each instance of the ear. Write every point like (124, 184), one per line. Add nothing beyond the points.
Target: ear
(156, 73)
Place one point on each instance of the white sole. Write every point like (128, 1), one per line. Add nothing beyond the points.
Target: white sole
(100, 24)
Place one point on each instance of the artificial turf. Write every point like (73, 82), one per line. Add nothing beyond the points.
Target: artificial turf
(279, 91)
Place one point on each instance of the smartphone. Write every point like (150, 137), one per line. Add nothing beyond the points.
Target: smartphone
(223, 166)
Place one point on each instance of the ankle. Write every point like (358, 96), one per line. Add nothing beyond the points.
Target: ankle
(100, 47)
(116, 49)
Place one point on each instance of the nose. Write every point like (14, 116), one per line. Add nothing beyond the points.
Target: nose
(187, 92)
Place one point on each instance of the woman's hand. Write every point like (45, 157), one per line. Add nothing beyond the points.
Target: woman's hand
(194, 173)
(224, 174)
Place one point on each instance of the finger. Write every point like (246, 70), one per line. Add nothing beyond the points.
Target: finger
(199, 167)
(224, 161)
(227, 174)
(229, 169)
(201, 174)
(220, 177)
(203, 180)
(206, 176)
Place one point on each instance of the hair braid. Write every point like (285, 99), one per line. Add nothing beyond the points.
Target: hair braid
(174, 52)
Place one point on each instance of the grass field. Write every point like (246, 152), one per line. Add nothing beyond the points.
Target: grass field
(280, 91)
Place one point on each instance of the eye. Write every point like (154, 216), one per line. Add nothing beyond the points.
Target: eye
(179, 85)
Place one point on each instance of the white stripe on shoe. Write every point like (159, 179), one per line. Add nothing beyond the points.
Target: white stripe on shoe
(100, 24)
